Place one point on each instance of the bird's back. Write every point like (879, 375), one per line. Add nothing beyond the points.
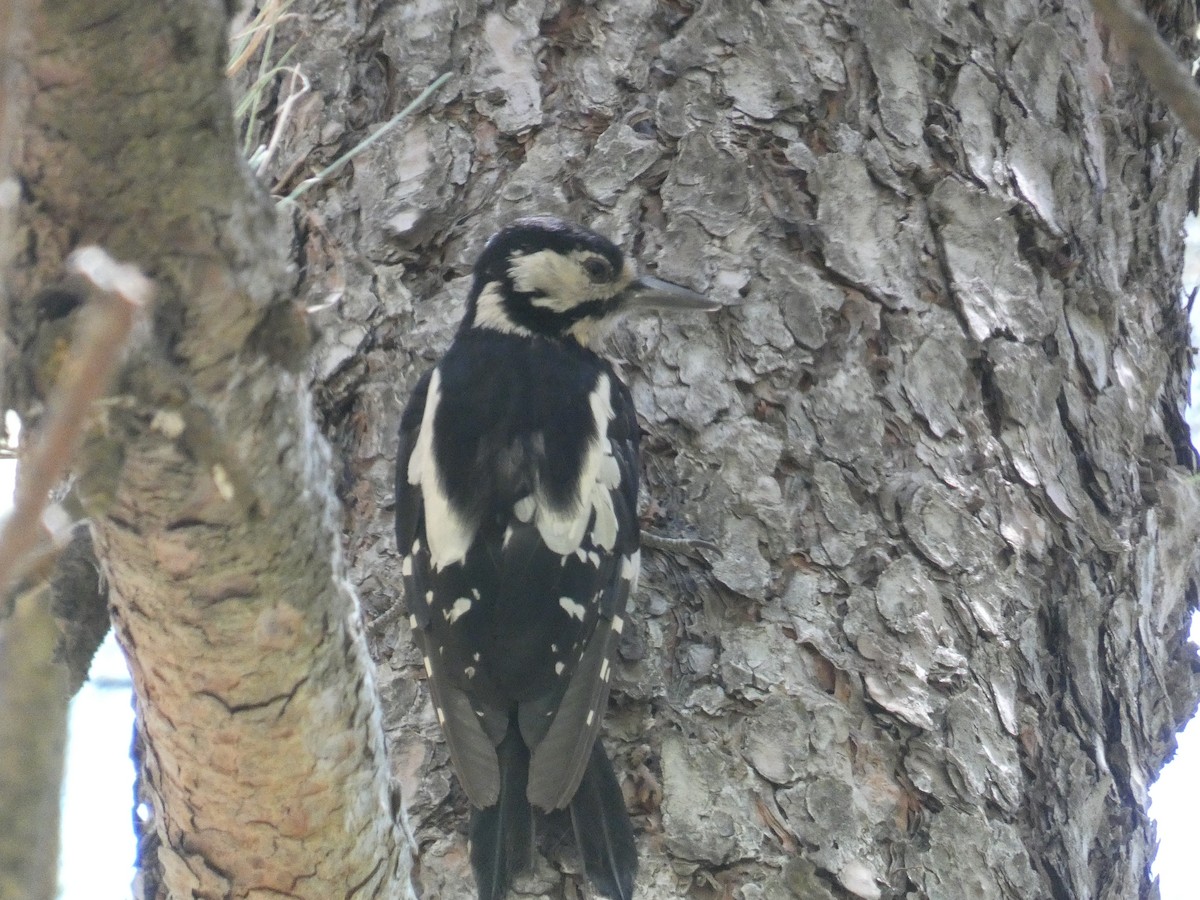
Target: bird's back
(525, 536)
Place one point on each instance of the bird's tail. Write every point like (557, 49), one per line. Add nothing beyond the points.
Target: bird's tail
(502, 835)
(603, 830)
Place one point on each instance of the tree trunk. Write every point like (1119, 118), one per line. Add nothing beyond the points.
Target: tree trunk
(205, 478)
(942, 651)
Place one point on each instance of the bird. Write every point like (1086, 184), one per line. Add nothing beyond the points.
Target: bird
(517, 480)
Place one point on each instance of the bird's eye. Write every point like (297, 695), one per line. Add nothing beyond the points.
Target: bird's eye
(597, 268)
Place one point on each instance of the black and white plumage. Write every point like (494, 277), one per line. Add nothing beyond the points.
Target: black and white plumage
(516, 519)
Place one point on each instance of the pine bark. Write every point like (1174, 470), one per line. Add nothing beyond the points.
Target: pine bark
(263, 763)
(937, 436)
(938, 439)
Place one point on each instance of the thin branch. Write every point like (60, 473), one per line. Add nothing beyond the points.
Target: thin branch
(383, 129)
(252, 36)
(262, 158)
(106, 321)
(1162, 68)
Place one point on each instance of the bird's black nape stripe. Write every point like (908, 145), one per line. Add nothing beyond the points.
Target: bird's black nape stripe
(541, 320)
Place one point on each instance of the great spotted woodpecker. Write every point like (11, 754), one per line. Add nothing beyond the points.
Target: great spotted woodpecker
(516, 521)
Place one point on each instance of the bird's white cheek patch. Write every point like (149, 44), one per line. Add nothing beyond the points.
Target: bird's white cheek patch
(449, 534)
(556, 281)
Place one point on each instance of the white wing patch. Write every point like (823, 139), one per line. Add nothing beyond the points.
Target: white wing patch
(571, 608)
(563, 530)
(604, 532)
(524, 509)
(631, 567)
(448, 533)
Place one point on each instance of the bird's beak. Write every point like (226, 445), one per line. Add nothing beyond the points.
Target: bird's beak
(649, 292)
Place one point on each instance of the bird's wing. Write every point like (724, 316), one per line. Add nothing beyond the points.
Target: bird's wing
(472, 750)
(562, 727)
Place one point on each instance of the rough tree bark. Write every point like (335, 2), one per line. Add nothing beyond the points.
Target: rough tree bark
(205, 479)
(942, 654)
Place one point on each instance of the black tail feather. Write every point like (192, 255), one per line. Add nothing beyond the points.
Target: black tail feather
(603, 830)
(502, 835)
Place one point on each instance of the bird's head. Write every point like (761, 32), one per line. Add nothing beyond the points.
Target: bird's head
(543, 276)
